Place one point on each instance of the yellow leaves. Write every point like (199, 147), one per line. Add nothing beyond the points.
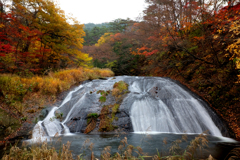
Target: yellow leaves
(234, 49)
(2, 25)
(215, 36)
(82, 59)
(235, 27)
(219, 31)
(208, 56)
(238, 64)
(103, 39)
(134, 53)
(238, 81)
(178, 64)
(8, 60)
(187, 26)
(226, 55)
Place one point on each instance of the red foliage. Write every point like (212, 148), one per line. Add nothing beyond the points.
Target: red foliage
(5, 48)
(152, 52)
(235, 7)
(16, 38)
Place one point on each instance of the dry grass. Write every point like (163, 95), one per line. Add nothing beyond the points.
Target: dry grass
(43, 152)
(95, 73)
(118, 89)
(15, 88)
(125, 151)
(19, 96)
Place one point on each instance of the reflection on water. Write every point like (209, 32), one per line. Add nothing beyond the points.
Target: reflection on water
(218, 147)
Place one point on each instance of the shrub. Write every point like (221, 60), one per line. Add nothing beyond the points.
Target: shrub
(43, 152)
(92, 115)
(14, 88)
(20, 94)
(118, 89)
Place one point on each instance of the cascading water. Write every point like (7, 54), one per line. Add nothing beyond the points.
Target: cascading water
(168, 108)
(50, 126)
(153, 104)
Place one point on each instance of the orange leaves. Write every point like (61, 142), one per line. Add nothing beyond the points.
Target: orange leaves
(153, 38)
(142, 48)
(199, 38)
(134, 53)
(144, 51)
(186, 25)
(232, 117)
(151, 52)
(24, 28)
(141, 51)
(116, 37)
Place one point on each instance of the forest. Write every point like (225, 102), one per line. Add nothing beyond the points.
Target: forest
(41, 55)
(36, 36)
(195, 42)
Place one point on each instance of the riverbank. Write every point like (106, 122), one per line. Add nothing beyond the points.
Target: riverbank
(58, 100)
(23, 98)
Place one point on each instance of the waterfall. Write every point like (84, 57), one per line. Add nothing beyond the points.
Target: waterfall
(50, 126)
(168, 109)
(153, 104)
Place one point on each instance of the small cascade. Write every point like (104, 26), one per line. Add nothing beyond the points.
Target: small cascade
(153, 104)
(38, 132)
(51, 126)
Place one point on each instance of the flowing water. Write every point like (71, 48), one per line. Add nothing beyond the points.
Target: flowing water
(158, 106)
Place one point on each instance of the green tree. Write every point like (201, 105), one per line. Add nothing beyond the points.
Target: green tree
(120, 25)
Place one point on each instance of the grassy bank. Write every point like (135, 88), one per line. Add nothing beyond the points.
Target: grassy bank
(21, 96)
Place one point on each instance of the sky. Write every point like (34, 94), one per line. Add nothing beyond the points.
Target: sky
(99, 11)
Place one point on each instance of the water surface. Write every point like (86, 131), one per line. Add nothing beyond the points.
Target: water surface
(218, 147)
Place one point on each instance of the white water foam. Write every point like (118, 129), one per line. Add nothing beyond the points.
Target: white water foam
(157, 105)
(176, 111)
(52, 125)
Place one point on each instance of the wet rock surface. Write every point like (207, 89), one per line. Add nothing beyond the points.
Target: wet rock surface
(122, 121)
(27, 127)
(148, 104)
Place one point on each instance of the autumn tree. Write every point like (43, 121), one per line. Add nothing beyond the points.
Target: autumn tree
(101, 51)
(40, 36)
(94, 32)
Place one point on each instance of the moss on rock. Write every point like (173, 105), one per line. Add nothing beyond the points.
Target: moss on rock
(108, 112)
